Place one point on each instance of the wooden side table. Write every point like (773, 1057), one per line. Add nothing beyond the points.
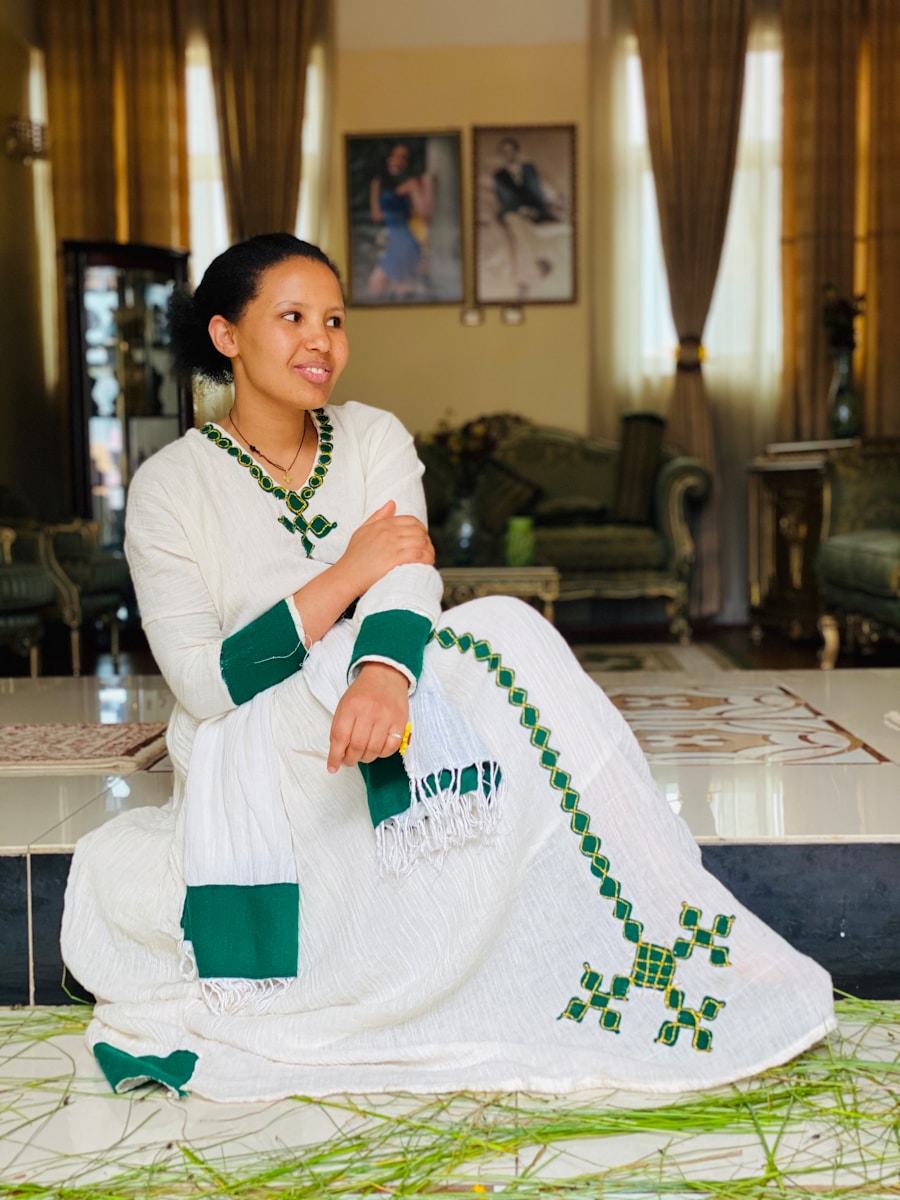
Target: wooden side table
(527, 583)
(784, 527)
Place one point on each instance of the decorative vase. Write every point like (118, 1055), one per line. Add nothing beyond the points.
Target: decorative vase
(460, 531)
(843, 402)
(519, 542)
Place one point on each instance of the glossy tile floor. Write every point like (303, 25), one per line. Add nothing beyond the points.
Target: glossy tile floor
(755, 758)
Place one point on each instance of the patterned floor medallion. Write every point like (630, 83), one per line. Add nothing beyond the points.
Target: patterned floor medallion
(710, 723)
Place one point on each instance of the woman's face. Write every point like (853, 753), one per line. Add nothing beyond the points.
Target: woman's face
(289, 346)
(398, 160)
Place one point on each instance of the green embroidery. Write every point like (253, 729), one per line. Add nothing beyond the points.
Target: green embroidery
(653, 966)
(689, 1018)
(721, 927)
(297, 502)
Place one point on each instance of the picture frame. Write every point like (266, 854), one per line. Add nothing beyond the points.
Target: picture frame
(404, 216)
(524, 214)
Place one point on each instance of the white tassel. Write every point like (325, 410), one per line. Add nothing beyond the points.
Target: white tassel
(436, 822)
(226, 997)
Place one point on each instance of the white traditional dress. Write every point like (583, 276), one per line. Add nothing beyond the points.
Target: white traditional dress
(570, 939)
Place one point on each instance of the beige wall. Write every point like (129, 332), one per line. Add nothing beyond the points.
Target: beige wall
(422, 363)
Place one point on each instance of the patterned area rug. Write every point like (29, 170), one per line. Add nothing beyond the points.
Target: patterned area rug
(81, 749)
(740, 723)
(703, 658)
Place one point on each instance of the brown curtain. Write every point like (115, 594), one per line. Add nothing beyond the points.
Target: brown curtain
(880, 346)
(259, 52)
(116, 100)
(692, 59)
(821, 52)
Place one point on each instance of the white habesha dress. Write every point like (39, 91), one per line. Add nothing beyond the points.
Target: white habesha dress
(579, 945)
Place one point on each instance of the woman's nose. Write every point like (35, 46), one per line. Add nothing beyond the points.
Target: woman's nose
(317, 334)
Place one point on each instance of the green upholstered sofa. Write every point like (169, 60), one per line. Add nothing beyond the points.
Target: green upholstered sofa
(612, 518)
(858, 558)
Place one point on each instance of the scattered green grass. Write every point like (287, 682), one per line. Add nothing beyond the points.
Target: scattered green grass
(823, 1126)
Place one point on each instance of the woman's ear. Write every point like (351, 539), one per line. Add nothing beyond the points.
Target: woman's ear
(222, 334)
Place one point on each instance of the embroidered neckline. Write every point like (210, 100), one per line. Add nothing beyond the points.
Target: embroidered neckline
(297, 501)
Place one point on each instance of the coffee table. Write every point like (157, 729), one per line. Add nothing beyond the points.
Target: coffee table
(528, 583)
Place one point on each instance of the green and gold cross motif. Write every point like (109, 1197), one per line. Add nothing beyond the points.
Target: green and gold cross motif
(653, 966)
(296, 502)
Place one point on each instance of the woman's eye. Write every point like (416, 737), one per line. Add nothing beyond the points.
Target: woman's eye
(336, 322)
(291, 316)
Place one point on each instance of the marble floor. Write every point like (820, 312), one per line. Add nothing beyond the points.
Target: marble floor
(791, 783)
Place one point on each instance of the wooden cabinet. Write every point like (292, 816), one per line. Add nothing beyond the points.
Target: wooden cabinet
(125, 399)
(784, 528)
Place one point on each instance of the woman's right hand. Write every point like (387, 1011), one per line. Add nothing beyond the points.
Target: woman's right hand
(382, 542)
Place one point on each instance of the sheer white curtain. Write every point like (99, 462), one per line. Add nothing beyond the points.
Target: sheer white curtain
(209, 228)
(742, 338)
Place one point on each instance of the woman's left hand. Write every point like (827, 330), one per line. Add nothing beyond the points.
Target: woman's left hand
(373, 708)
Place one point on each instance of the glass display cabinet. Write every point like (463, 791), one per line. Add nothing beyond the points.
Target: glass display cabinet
(125, 400)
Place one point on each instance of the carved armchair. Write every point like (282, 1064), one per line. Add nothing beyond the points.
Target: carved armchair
(27, 591)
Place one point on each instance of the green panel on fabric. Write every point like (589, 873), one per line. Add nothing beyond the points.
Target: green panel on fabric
(387, 785)
(397, 634)
(261, 654)
(243, 932)
(125, 1071)
(387, 788)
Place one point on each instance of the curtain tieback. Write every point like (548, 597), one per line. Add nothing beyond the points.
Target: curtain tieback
(690, 353)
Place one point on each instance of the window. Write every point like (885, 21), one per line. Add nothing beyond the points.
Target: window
(209, 225)
(744, 323)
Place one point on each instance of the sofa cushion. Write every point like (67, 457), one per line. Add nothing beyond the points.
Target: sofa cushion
(25, 586)
(639, 460)
(501, 493)
(600, 548)
(865, 561)
(99, 571)
(569, 510)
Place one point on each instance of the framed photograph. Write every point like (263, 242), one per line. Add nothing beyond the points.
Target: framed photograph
(404, 211)
(524, 178)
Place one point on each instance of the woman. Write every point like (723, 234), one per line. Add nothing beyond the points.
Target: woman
(508, 905)
(401, 204)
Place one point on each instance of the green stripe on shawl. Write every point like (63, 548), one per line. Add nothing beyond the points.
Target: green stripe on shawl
(261, 654)
(398, 635)
(387, 785)
(125, 1071)
(243, 932)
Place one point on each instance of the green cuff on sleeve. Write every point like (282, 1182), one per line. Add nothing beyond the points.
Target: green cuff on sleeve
(397, 636)
(261, 654)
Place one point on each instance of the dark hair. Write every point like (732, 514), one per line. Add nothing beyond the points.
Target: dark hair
(228, 285)
(509, 141)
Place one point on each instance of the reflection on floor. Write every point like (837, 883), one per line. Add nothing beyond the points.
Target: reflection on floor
(790, 782)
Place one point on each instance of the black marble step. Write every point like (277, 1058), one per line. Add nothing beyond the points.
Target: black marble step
(837, 901)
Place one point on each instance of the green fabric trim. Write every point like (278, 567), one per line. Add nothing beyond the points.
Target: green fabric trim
(125, 1071)
(261, 654)
(387, 785)
(243, 932)
(387, 788)
(398, 635)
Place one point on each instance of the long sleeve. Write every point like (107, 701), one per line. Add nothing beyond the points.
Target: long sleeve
(395, 617)
(209, 670)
